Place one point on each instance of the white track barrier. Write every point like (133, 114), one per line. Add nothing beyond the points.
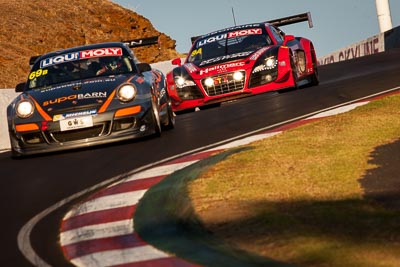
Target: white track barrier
(372, 45)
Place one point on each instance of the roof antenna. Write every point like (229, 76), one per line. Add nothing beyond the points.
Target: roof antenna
(233, 15)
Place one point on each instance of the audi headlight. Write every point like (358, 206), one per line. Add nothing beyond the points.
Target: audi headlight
(209, 82)
(238, 76)
(182, 82)
(24, 108)
(268, 64)
(126, 92)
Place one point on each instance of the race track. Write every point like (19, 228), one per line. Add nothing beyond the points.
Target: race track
(34, 184)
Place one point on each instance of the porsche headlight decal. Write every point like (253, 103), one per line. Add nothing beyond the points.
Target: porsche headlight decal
(126, 92)
(24, 108)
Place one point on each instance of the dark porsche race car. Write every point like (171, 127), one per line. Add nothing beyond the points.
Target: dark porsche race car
(88, 95)
(242, 60)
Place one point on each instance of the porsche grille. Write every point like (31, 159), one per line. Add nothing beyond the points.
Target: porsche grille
(223, 84)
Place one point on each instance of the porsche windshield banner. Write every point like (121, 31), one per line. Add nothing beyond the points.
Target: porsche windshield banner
(101, 52)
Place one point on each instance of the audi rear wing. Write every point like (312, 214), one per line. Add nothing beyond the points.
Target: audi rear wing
(292, 20)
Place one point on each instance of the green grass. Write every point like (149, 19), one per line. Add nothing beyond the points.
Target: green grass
(297, 196)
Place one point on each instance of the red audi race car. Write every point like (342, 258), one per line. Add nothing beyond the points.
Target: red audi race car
(240, 61)
(88, 95)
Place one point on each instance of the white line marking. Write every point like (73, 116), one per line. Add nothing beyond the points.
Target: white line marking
(96, 231)
(337, 111)
(246, 141)
(161, 170)
(107, 202)
(119, 257)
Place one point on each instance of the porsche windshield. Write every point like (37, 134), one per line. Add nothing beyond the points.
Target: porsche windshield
(230, 42)
(50, 72)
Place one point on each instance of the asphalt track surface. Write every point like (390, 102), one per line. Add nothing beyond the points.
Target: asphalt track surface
(33, 184)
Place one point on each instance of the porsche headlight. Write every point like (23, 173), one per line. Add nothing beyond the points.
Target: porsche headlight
(182, 82)
(24, 108)
(126, 92)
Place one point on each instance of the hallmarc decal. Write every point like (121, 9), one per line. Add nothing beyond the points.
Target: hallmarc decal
(222, 67)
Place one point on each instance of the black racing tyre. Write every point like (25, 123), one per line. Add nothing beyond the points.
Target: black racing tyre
(15, 154)
(171, 116)
(314, 78)
(293, 67)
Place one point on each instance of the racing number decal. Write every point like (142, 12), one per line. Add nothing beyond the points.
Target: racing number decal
(37, 74)
(197, 52)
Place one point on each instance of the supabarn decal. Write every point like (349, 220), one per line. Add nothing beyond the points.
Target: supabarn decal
(75, 97)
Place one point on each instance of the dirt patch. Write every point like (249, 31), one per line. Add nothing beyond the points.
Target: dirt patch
(31, 28)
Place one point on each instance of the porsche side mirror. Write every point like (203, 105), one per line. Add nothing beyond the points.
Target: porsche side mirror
(143, 67)
(177, 62)
(288, 38)
(20, 87)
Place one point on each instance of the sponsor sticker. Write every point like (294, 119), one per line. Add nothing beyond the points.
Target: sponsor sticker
(74, 97)
(59, 117)
(226, 57)
(190, 67)
(222, 67)
(100, 52)
(233, 34)
(254, 25)
(244, 33)
(257, 54)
